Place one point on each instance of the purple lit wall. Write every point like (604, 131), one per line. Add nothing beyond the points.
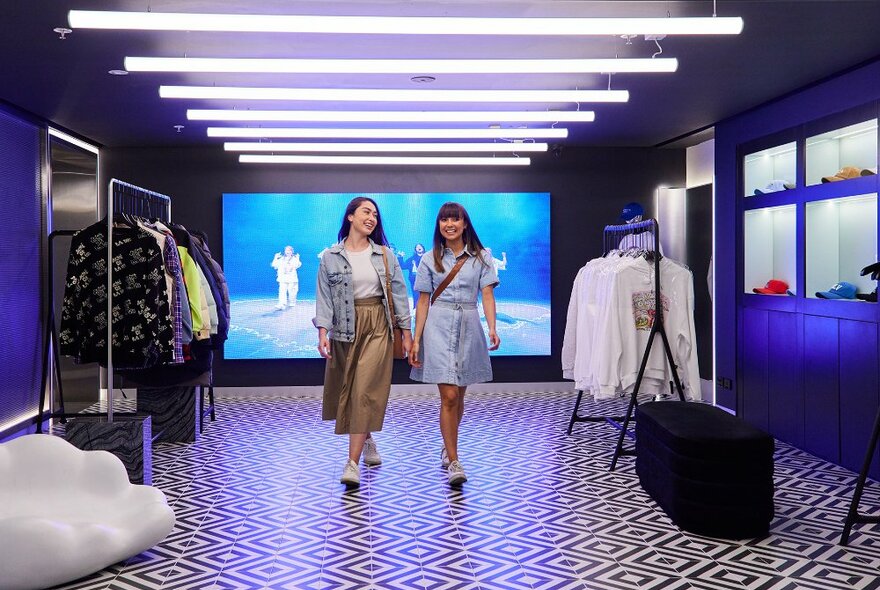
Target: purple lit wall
(20, 269)
(804, 369)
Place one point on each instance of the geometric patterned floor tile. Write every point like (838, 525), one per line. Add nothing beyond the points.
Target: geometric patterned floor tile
(259, 506)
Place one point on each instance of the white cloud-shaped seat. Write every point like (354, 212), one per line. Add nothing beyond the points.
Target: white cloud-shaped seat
(66, 513)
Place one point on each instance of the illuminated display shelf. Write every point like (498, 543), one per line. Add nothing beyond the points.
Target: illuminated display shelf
(772, 168)
(852, 148)
(841, 239)
(770, 241)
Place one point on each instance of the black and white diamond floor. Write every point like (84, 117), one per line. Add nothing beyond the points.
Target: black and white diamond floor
(259, 505)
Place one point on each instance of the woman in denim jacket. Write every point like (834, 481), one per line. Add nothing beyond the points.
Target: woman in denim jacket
(355, 330)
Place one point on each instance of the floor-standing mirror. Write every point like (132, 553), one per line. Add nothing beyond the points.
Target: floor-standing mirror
(72, 205)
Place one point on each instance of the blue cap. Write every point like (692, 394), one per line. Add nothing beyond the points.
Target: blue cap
(631, 212)
(841, 290)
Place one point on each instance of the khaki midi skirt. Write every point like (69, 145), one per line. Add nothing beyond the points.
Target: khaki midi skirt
(357, 377)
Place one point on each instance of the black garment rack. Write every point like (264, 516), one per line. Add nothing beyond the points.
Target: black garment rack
(646, 237)
(853, 516)
(126, 199)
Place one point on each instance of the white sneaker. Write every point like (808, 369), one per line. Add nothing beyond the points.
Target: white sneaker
(456, 474)
(371, 453)
(444, 458)
(351, 474)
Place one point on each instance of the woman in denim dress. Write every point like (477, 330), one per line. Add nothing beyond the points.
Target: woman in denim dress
(449, 346)
(354, 330)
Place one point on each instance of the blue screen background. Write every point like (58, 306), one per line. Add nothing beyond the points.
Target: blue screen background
(257, 225)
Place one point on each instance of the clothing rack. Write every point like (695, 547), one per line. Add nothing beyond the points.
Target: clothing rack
(853, 516)
(126, 199)
(645, 236)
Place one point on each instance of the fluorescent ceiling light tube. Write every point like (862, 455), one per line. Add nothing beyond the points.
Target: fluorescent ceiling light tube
(233, 146)
(391, 94)
(402, 25)
(384, 160)
(388, 116)
(300, 133)
(399, 66)
(73, 140)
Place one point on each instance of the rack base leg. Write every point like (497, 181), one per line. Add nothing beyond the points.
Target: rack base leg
(853, 516)
(574, 412)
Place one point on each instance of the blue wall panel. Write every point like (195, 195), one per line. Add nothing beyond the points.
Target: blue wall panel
(21, 332)
(785, 378)
(755, 370)
(821, 382)
(859, 398)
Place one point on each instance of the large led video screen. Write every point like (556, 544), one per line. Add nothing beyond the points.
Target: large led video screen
(272, 319)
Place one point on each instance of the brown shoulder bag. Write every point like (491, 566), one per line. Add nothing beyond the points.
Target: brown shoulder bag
(445, 283)
(397, 333)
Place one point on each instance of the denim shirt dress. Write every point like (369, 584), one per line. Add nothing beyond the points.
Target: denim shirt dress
(453, 348)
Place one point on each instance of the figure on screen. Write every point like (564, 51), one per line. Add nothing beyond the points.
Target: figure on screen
(411, 265)
(399, 254)
(450, 348)
(352, 314)
(499, 264)
(288, 280)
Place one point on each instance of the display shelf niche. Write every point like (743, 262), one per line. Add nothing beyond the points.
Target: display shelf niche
(762, 168)
(770, 241)
(852, 146)
(841, 236)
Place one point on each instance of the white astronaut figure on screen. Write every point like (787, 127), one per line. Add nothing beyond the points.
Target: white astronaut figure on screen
(499, 263)
(288, 279)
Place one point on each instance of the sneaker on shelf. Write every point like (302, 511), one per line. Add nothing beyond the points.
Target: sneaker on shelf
(371, 453)
(456, 474)
(351, 474)
(444, 457)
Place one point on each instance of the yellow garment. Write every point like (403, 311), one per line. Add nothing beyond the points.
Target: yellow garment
(204, 295)
(193, 288)
(211, 305)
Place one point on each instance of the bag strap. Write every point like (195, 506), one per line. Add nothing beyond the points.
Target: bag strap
(388, 287)
(448, 278)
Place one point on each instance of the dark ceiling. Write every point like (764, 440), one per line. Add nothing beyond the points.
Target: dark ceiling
(784, 45)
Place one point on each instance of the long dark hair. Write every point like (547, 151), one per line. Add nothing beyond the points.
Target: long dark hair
(468, 236)
(378, 234)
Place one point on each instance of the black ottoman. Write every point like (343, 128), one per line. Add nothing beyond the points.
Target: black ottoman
(710, 472)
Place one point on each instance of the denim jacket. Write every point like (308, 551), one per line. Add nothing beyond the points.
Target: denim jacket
(334, 307)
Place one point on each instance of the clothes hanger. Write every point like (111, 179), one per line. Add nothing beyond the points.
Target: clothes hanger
(873, 269)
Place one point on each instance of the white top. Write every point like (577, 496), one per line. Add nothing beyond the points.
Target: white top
(364, 277)
(608, 322)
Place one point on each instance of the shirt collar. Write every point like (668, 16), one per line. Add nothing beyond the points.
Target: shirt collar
(465, 251)
(340, 246)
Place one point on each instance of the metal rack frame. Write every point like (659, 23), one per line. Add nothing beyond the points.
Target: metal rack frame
(611, 238)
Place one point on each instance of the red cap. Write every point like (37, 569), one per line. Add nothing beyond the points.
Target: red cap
(773, 287)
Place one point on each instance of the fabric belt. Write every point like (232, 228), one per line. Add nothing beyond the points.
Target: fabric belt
(461, 322)
(368, 301)
(451, 305)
